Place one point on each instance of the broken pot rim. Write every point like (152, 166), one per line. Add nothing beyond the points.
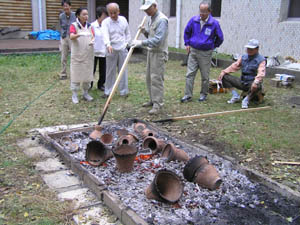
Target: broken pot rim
(116, 154)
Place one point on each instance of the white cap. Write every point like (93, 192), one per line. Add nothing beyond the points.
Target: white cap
(148, 4)
(253, 43)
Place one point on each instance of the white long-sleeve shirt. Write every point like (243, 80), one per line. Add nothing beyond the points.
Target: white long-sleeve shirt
(116, 33)
(99, 46)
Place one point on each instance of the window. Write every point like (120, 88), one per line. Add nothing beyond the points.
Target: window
(294, 9)
(172, 8)
(216, 8)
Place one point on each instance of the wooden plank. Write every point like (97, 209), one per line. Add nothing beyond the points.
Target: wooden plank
(287, 163)
(16, 13)
(206, 115)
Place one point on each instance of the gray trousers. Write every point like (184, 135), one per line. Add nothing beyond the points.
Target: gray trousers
(198, 59)
(65, 46)
(155, 76)
(114, 60)
(75, 86)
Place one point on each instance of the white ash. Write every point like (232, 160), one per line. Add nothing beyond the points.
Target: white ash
(195, 204)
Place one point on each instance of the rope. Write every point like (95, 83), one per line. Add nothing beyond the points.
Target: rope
(3, 129)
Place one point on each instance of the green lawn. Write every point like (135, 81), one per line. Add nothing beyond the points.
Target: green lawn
(32, 96)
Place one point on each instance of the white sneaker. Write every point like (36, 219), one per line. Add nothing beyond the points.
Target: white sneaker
(75, 98)
(87, 97)
(233, 100)
(245, 104)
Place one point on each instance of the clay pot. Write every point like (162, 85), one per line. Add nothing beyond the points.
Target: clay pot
(67, 143)
(128, 139)
(166, 187)
(207, 176)
(156, 145)
(65, 140)
(146, 133)
(96, 134)
(96, 153)
(192, 165)
(122, 132)
(172, 153)
(139, 127)
(106, 139)
(125, 156)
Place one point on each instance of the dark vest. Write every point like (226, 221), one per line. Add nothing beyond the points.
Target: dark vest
(249, 67)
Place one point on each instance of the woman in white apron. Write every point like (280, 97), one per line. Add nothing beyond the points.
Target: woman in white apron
(82, 55)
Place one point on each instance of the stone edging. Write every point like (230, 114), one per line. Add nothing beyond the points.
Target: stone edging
(125, 214)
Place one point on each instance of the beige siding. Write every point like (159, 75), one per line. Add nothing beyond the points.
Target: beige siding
(16, 13)
(54, 8)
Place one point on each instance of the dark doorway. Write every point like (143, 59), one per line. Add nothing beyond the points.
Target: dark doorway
(216, 6)
(124, 6)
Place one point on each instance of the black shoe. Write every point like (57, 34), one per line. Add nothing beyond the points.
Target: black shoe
(101, 88)
(186, 99)
(124, 96)
(63, 78)
(104, 96)
(202, 98)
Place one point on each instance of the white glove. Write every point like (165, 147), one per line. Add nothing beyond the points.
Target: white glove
(137, 43)
(92, 42)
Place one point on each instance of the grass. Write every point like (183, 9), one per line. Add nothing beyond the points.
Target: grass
(217, 55)
(253, 139)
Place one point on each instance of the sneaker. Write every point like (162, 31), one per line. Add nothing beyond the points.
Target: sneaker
(186, 99)
(155, 110)
(202, 98)
(87, 97)
(75, 98)
(245, 104)
(147, 104)
(233, 100)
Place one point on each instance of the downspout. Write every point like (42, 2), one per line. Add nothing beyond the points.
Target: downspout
(178, 23)
(40, 15)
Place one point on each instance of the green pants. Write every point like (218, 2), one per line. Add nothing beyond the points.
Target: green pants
(198, 59)
(155, 76)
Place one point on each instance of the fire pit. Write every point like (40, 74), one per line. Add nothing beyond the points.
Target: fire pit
(237, 200)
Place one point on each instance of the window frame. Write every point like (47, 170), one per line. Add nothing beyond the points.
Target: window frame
(293, 18)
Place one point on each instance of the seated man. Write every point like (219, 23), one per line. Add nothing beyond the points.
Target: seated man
(253, 68)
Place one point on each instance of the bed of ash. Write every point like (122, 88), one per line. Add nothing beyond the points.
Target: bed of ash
(237, 201)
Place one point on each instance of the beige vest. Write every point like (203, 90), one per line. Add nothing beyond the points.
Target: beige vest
(163, 46)
(82, 56)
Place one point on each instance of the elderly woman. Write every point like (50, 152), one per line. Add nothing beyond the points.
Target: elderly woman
(82, 55)
(99, 46)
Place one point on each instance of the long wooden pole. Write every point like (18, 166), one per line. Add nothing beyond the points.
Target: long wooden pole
(199, 116)
(287, 163)
(120, 74)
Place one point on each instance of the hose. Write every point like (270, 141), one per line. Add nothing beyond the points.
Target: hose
(26, 107)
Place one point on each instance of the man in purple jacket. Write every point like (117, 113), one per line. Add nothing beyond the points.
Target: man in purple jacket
(201, 36)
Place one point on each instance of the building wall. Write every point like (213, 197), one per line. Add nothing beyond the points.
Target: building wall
(241, 20)
(265, 20)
